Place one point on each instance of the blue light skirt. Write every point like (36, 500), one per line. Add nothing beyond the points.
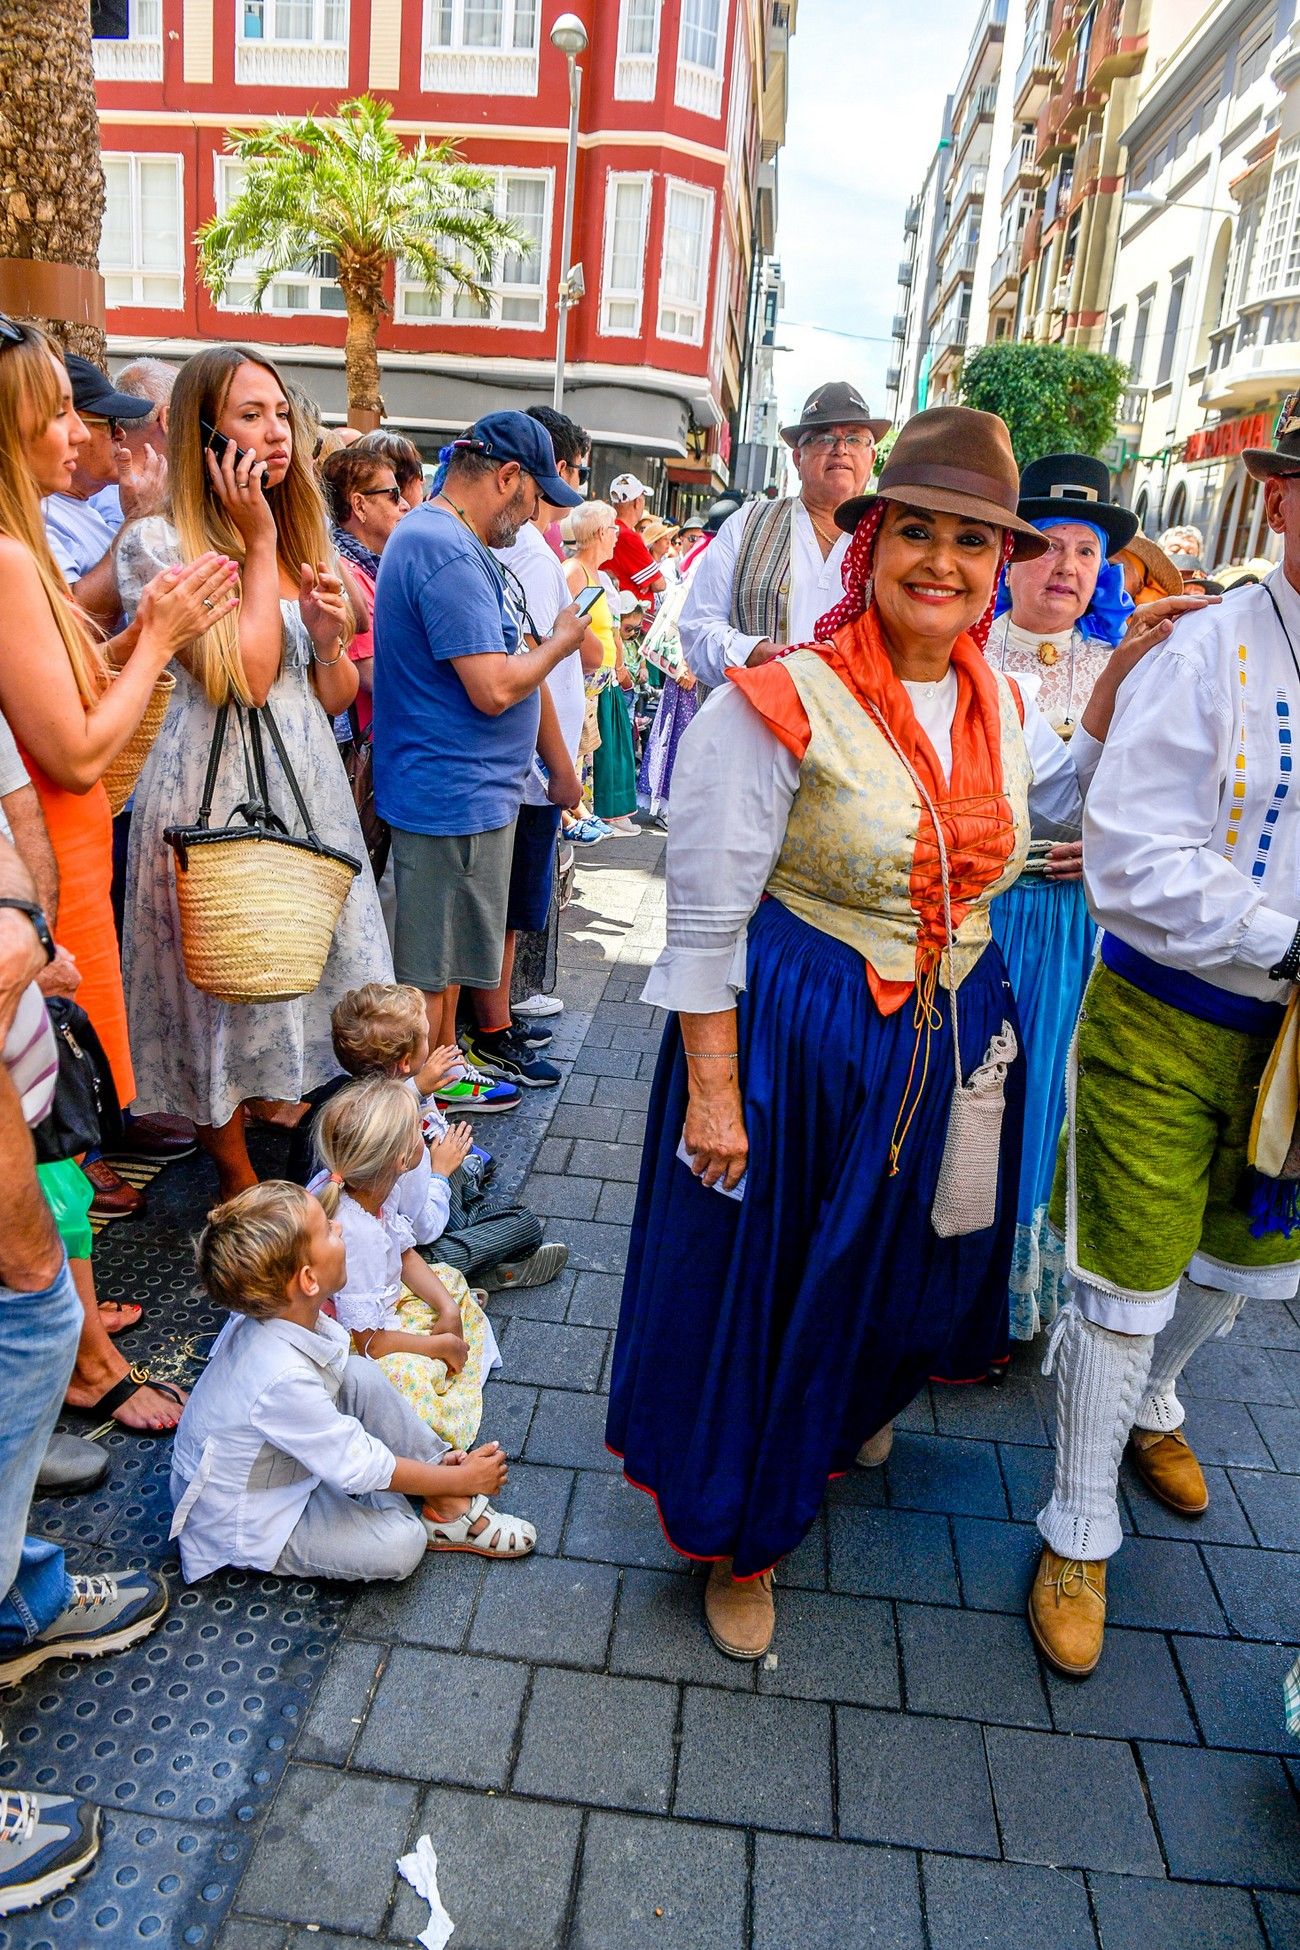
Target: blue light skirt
(762, 1341)
(1046, 936)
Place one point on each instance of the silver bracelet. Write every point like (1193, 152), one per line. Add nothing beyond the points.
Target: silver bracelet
(713, 1055)
(326, 663)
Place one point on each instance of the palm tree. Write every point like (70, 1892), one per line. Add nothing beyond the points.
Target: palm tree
(347, 187)
(51, 181)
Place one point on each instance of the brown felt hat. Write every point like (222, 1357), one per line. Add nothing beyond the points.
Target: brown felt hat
(1283, 457)
(953, 461)
(834, 404)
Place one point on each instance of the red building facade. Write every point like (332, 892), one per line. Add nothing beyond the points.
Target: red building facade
(682, 113)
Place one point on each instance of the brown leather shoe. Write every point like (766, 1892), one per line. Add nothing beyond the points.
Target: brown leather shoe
(160, 1138)
(114, 1198)
(1067, 1613)
(1168, 1467)
(740, 1615)
(874, 1453)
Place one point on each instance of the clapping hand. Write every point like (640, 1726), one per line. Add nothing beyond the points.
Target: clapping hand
(141, 480)
(450, 1152)
(180, 604)
(325, 607)
(440, 1066)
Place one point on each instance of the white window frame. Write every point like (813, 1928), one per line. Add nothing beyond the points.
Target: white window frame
(699, 87)
(460, 67)
(313, 283)
(675, 185)
(1278, 244)
(137, 271)
(636, 70)
(498, 288)
(140, 56)
(270, 59)
(721, 291)
(610, 293)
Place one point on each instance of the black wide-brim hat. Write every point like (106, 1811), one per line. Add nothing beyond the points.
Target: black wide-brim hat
(1075, 487)
(956, 461)
(836, 404)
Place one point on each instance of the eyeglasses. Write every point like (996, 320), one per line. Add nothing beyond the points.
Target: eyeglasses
(104, 420)
(393, 494)
(825, 443)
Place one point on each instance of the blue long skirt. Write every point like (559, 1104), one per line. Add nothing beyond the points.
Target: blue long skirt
(762, 1341)
(1046, 936)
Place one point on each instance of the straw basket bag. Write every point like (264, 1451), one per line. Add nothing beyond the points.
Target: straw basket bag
(258, 905)
(121, 777)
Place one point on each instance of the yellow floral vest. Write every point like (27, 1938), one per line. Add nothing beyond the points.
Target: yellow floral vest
(845, 865)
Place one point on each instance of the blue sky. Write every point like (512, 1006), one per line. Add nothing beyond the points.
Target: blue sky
(867, 82)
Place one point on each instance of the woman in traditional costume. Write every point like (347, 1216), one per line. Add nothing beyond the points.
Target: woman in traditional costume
(842, 817)
(1059, 619)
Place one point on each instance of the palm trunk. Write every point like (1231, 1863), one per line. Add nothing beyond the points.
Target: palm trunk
(51, 180)
(361, 360)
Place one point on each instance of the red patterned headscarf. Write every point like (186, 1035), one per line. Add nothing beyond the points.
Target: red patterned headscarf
(858, 589)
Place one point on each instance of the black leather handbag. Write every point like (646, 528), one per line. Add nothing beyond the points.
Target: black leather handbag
(85, 1111)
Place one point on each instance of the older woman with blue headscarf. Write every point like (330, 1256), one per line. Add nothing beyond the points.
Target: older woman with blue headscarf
(1059, 618)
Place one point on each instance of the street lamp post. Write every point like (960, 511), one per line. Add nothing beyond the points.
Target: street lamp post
(570, 36)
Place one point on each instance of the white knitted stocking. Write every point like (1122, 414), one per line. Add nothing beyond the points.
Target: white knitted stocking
(1201, 1312)
(1100, 1377)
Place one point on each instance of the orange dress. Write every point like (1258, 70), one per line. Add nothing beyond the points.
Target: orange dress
(80, 826)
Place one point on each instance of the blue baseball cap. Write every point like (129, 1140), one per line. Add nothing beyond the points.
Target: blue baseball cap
(513, 436)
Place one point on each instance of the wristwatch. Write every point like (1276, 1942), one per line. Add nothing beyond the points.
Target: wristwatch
(1288, 969)
(36, 916)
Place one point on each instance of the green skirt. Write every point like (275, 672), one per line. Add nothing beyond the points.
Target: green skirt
(614, 760)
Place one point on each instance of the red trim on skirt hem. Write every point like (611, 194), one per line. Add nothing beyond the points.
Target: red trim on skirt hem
(694, 1556)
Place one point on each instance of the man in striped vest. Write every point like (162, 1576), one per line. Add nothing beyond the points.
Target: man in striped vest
(774, 566)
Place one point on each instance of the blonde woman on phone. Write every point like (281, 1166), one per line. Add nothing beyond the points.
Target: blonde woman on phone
(241, 480)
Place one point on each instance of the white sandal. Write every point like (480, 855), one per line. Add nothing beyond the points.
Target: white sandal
(501, 1536)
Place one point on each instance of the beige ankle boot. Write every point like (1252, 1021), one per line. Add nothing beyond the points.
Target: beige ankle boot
(740, 1614)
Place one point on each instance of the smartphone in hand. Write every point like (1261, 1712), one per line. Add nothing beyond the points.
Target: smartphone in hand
(218, 443)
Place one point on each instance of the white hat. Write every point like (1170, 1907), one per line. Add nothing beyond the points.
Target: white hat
(626, 487)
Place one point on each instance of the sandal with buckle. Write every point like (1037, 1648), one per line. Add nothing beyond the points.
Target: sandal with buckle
(501, 1536)
(131, 1383)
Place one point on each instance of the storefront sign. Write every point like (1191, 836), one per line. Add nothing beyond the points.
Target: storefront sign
(1229, 437)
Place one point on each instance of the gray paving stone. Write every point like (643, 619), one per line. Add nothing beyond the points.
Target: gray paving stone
(548, 1302)
(327, 1847)
(621, 1093)
(834, 1896)
(1233, 1371)
(833, 1648)
(631, 1128)
(1071, 1802)
(437, 1717)
(596, 1299)
(891, 1554)
(1134, 1913)
(241, 1933)
(585, 1121)
(568, 1429)
(607, 1062)
(1226, 1433)
(1272, 1504)
(341, 1702)
(591, 1738)
(1267, 1323)
(974, 1665)
(607, 1161)
(563, 1198)
(547, 1608)
(1280, 1428)
(763, 1762)
(660, 1885)
(914, 1781)
(612, 1523)
(596, 1247)
(1162, 1585)
(1140, 1698)
(1260, 1591)
(553, 1155)
(617, 1202)
(531, 1847)
(996, 1562)
(432, 1607)
(930, 1472)
(805, 1567)
(659, 1633)
(1236, 1690)
(1281, 1919)
(1027, 1473)
(1224, 1817)
(507, 1414)
(1004, 1905)
(577, 1090)
(1223, 1523)
(553, 1355)
(541, 1494)
(1005, 1413)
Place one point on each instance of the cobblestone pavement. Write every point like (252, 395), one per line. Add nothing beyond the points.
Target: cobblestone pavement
(594, 1776)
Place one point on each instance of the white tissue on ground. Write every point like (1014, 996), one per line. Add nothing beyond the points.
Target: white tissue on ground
(420, 1868)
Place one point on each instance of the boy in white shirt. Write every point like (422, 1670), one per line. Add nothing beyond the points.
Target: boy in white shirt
(296, 1456)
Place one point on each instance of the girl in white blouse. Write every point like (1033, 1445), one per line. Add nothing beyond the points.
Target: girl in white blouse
(422, 1325)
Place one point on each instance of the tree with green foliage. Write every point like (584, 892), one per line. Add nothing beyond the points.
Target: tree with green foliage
(349, 188)
(1055, 399)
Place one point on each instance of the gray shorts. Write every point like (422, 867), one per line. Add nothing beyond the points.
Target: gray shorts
(452, 893)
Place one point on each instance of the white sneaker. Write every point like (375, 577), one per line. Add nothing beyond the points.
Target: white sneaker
(538, 1005)
(625, 827)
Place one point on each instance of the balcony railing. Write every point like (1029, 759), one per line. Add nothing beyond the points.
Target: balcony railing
(974, 181)
(634, 77)
(992, 21)
(950, 334)
(1032, 241)
(912, 218)
(1062, 289)
(129, 60)
(905, 272)
(290, 64)
(1035, 69)
(1112, 53)
(898, 325)
(1006, 266)
(982, 104)
(1132, 408)
(1059, 21)
(893, 378)
(483, 71)
(699, 89)
(1020, 164)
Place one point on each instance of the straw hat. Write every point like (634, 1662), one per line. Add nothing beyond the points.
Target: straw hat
(652, 530)
(955, 461)
(1156, 563)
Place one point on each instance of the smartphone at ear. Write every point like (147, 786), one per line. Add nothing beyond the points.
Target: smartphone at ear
(218, 443)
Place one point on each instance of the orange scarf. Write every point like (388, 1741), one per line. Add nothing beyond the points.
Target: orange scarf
(978, 827)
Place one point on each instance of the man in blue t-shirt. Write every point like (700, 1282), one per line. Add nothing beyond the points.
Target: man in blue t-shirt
(457, 708)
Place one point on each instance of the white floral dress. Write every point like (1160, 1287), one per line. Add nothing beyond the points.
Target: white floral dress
(194, 1056)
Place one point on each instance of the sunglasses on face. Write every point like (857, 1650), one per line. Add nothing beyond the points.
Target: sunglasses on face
(583, 473)
(393, 494)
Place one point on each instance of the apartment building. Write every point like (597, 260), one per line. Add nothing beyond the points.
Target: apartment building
(907, 379)
(681, 118)
(1205, 302)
